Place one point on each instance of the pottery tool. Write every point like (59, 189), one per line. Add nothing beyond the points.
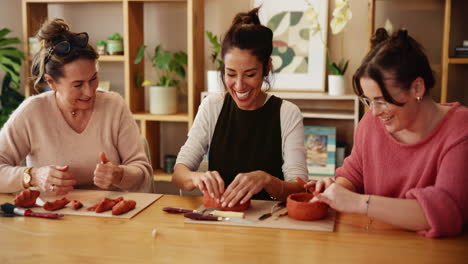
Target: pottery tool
(197, 216)
(276, 207)
(12, 209)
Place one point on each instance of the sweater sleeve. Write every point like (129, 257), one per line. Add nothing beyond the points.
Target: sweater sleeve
(191, 153)
(138, 173)
(14, 147)
(445, 204)
(352, 168)
(294, 154)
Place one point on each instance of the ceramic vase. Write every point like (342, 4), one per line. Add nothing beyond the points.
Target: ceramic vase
(336, 85)
(162, 100)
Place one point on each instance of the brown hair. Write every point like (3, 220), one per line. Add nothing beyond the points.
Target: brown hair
(399, 55)
(49, 35)
(247, 33)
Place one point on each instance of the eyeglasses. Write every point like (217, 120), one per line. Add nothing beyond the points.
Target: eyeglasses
(376, 103)
(64, 47)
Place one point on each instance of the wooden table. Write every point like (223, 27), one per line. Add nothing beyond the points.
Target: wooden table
(84, 239)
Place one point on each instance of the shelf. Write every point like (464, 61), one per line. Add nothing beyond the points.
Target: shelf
(112, 58)
(331, 114)
(159, 175)
(458, 60)
(180, 117)
(161, 1)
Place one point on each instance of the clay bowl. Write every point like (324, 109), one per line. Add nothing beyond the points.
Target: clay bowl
(210, 202)
(300, 208)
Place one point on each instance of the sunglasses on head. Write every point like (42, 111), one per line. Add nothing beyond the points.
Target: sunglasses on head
(64, 47)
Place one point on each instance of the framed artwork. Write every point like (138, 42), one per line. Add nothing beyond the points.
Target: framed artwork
(320, 144)
(299, 57)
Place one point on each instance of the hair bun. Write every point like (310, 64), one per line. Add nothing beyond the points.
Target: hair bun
(53, 31)
(402, 34)
(380, 36)
(250, 18)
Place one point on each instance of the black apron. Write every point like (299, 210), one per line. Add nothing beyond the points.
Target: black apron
(245, 141)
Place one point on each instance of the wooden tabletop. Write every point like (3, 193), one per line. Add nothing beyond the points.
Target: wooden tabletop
(85, 239)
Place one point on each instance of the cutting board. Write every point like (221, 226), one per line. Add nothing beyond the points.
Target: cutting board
(258, 208)
(90, 197)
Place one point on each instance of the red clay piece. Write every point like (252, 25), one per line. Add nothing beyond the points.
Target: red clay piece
(300, 208)
(123, 207)
(76, 205)
(27, 198)
(56, 205)
(210, 202)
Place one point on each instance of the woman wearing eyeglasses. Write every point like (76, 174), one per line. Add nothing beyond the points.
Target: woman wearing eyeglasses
(408, 166)
(73, 136)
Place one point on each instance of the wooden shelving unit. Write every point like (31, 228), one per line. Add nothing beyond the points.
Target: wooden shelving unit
(454, 70)
(35, 12)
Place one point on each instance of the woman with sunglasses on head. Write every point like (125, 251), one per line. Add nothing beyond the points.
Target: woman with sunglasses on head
(408, 166)
(73, 136)
(254, 141)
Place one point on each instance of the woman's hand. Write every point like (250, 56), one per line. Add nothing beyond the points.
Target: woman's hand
(55, 179)
(106, 173)
(210, 182)
(244, 186)
(340, 198)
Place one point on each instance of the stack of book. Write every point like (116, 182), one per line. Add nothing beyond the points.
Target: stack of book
(462, 51)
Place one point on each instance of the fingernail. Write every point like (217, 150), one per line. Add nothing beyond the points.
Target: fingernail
(230, 205)
(242, 202)
(217, 200)
(222, 199)
(212, 196)
(224, 204)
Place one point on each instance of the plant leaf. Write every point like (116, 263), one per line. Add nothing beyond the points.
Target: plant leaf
(140, 54)
(4, 32)
(9, 41)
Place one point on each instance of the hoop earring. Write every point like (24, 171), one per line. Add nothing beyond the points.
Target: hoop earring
(419, 98)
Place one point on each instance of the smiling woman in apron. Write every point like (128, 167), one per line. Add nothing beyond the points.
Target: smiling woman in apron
(254, 140)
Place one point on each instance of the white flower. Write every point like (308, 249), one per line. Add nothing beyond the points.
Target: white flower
(341, 16)
(389, 27)
(311, 16)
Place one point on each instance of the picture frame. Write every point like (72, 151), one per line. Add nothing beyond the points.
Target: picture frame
(320, 144)
(299, 64)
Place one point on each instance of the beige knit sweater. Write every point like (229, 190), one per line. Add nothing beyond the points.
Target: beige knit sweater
(38, 132)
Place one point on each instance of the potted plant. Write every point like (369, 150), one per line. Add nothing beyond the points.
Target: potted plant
(213, 83)
(170, 68)
(115, 44)
(341, 16)
(10, 63)
(101, 47)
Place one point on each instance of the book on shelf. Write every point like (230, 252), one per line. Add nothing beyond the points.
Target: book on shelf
(320, 144)
(461, 51)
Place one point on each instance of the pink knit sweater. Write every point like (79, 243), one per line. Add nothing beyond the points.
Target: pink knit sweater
(38, 131)
(433, 171)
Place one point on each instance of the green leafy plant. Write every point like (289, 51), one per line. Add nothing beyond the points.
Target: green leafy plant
(101, 43)
(338, 69)
(216, 47)
(115, 36)
(170, 67)
(10, 62)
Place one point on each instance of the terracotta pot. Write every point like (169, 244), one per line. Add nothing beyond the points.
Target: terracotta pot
(210, 202)
(300, 208)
